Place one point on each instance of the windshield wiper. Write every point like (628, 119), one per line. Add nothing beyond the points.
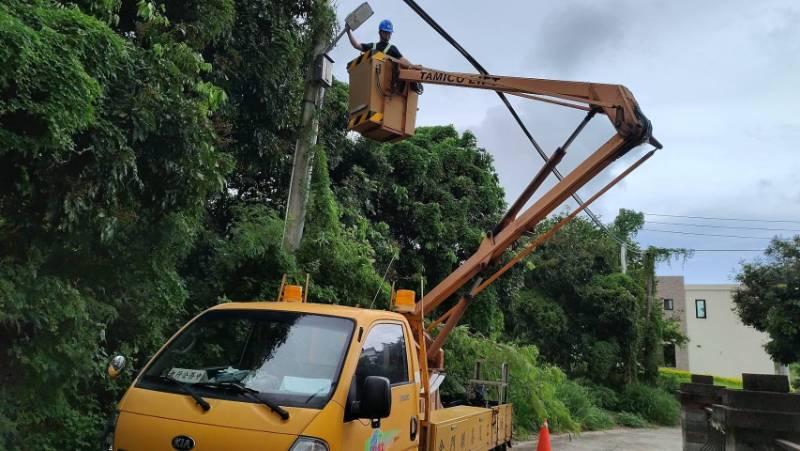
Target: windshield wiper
(317, 393)
(250, 393)
(187, 389)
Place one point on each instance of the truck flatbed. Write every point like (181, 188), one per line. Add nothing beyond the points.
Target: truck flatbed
(470, 428)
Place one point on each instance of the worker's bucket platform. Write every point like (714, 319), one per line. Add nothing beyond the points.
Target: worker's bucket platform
(382, 107)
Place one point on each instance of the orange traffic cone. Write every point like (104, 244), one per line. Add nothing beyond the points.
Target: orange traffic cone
(544, 438)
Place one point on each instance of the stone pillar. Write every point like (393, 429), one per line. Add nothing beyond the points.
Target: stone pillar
(753, 418)
(696, 400)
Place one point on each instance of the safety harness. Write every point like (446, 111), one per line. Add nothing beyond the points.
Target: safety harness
(386, 50)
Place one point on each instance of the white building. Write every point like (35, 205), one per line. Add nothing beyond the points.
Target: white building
(719, 344)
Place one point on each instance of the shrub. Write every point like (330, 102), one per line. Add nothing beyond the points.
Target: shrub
(597, 419)
(581, 407)
(630, 420)
(601, 396)
(652, 403)
(603, 357)
(533, 384)
(670, 382)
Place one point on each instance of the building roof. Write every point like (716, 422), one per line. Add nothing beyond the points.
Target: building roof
(712, 287)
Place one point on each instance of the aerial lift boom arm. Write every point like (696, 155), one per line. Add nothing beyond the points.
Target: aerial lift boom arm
(614, 101)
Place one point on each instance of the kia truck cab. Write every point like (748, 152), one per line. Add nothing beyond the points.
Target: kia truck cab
(276, 376)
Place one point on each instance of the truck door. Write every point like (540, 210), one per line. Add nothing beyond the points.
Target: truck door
(386, 353)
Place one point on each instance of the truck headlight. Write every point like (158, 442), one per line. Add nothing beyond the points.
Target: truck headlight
(309, 444)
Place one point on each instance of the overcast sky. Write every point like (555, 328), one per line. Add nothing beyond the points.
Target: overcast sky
(718, 79)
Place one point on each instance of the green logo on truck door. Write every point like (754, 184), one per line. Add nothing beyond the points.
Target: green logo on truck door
(381, 441)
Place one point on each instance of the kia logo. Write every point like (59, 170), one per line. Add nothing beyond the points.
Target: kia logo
(183, 442)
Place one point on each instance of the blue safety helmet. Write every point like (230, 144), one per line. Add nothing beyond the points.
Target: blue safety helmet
(386, 25)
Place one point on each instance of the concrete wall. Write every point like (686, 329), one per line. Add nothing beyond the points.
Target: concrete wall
(720, 344)
(672, 287)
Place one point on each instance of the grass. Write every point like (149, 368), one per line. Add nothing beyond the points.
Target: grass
(630, 420)
(596, 407)
(582, 408)
(671, 378)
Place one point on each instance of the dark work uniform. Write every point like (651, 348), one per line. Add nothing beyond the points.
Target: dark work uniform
(394, 53)
(381, 46)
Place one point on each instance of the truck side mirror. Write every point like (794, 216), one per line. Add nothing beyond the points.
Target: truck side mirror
(115, 366)
(376, 400)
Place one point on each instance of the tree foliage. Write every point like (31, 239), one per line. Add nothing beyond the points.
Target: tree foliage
(769, 298)
(116, 135)
(145, 153)
(578, 308)
(434, 196)
(534, 385)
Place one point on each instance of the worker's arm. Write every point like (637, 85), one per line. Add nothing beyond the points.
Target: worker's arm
(353, 41)
(394, 53)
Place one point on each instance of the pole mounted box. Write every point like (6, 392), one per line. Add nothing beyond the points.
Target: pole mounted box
(323, 70)
(382, 107)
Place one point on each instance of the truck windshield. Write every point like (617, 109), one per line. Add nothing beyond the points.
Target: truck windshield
(291, 359)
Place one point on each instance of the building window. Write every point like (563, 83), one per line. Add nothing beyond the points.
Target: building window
(668, 304)
(669, 355)
(700, 308)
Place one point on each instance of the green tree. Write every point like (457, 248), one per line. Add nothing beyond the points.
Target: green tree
(576, 306)
(108, 153)
(536, 318)
(433, 196)
(339, 259)
(261, 64)
(145, 149)
(259, 61)
(437, 191)
(609, 311)
(769, 298)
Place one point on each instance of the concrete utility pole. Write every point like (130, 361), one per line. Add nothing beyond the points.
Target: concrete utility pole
(319, 76)
(303, 163)
(623, 257)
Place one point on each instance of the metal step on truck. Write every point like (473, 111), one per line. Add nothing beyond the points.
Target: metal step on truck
(295, 375)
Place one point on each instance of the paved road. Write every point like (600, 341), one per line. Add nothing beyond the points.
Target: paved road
(661, 439)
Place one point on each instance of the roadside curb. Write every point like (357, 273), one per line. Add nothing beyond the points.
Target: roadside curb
(570, 436)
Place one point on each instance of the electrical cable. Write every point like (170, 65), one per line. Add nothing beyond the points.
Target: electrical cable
(382, 282)
(713, 226)
(442, 32)
(709, 234)
(533, 235)
(722, 219)
(727, 250)
(433, 24)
